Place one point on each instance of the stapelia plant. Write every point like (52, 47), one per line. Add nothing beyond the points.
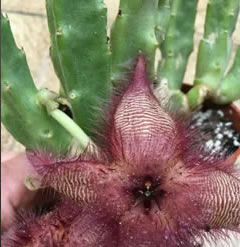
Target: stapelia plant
(142, 179)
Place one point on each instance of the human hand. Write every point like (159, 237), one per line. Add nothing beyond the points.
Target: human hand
(14, 194)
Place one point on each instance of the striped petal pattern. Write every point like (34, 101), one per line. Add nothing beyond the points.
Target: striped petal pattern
(139, 121)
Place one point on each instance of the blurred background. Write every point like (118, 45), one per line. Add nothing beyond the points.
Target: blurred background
(29, 25)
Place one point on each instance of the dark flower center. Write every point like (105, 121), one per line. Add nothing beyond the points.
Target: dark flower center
(149, 193)
(148, 190)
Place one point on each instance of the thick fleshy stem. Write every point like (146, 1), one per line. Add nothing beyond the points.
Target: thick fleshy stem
(215, 52)
(175, 36)
(197, 95)
(80, 54)
(163, 17)
(24, 118)
(133, 32)
(178, 43)
(229, 89)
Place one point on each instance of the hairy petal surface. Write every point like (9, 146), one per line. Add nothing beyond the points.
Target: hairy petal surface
(43, 231)
(141, 128)
(155, 230)
(93, 229)
(68, 226)
(90, 184)
(77, 181)
(220, 196)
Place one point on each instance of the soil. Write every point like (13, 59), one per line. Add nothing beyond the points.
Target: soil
(216, 131)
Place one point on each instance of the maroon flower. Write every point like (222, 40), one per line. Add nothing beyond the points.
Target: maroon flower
(148, 186)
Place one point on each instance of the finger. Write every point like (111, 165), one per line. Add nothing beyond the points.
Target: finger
(14, 193)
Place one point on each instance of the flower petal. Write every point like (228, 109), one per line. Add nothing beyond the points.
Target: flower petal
(140, 124)
(91, 185)
(68, 225)
(153, 229)
(220, 198)
(93, 229)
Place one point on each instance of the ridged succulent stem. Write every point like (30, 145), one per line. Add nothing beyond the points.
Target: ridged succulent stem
(197, 95)
(178, 102)
(81, 55)
(175, 30)
(178, 43)
(133, 32)
(216, 46)
(229, 89)
(24, 118)
(163, 17)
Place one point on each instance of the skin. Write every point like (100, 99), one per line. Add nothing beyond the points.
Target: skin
(14, 194)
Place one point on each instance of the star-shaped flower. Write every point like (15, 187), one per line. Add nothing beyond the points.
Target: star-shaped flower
(148, 186)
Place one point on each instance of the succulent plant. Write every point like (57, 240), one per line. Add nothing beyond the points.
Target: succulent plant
(146, 187)
(139, 178)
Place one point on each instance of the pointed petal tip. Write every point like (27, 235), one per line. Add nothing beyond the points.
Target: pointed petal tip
(140, 73)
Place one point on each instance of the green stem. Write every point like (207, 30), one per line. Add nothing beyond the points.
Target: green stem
(71, 127)
(133, 32)
(81, 55)
(229, 89)
(197, 95)
(178, 42)
(24, 118)
(163, 17)
(216, 46)
(49, 100)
